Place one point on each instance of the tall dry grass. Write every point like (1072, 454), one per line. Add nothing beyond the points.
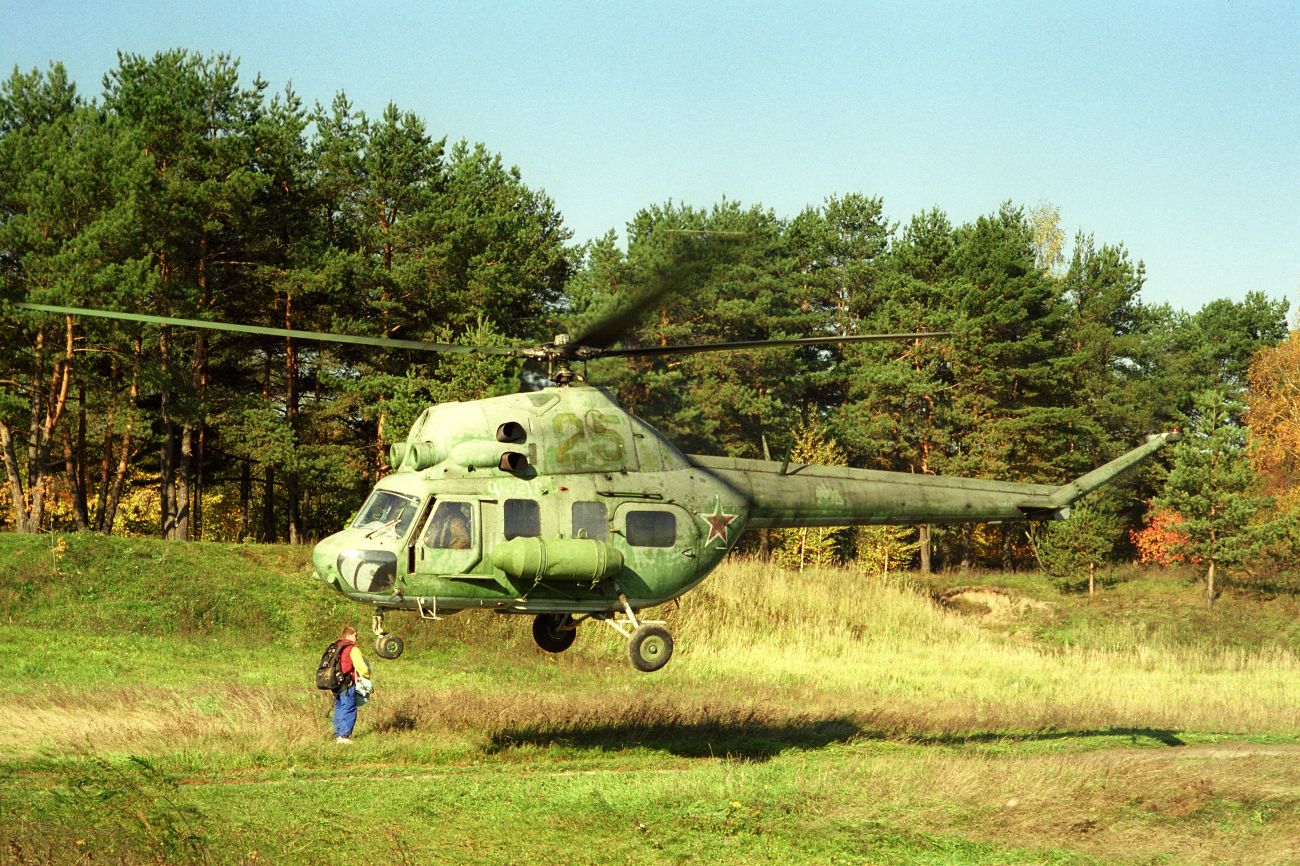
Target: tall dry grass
(767, 658)
(858, 641)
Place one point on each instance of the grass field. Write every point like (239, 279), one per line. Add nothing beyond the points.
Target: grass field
(159, 709)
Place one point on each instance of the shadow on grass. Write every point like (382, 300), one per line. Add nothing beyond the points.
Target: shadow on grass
(753, 740)
(1165, 737)
(750, 740)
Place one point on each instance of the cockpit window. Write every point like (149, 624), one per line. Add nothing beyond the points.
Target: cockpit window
(386, 511)
(451, 527)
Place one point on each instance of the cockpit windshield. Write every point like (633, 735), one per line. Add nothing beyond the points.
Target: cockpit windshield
(387, 512)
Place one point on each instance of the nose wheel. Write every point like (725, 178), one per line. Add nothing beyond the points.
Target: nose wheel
(387, 646)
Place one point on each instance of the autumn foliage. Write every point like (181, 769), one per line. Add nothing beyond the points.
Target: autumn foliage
(1161, 541)
(1273, 415)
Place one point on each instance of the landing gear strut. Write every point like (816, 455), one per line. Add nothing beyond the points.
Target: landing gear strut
(649, 645)
(388, 646)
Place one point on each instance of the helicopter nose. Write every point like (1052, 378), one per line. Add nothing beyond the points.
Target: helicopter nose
(324, 558)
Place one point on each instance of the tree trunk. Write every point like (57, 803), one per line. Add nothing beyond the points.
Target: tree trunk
(198, 480)
(923, 531)
(268, 471)
(187, 475)
(268, 504)
(292, 507)
(106, 447)
(124, 455)
(79, 484)
(44, 423)
(1209, 586)
(200, 424)
(167, 451)
(293, 495)
(245, 499)
(1092, 574)
(33, 428)
(72, 467)
(17, 495)
(184, 485)
(765, 535)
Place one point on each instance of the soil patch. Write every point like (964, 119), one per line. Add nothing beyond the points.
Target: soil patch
(990, 604)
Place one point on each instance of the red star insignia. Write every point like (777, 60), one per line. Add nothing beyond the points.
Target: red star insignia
(718, 523)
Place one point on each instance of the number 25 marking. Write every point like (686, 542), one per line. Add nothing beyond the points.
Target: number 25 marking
(594, 438)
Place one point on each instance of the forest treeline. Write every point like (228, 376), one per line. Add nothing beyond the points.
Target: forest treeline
(184, 190)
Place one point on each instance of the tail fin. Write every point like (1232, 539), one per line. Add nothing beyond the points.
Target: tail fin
(1067, 493)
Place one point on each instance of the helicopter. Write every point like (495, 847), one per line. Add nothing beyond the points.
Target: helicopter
(562, 505)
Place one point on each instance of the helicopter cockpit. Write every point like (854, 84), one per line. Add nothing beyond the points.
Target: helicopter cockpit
(387, 512)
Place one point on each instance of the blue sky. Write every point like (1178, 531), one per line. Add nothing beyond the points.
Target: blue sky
(1173, 128)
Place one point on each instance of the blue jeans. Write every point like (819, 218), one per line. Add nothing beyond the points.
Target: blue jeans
(345, 711)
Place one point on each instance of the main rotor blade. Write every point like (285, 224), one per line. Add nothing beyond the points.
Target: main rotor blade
(607, 330)
(759, 344)
(382, 342)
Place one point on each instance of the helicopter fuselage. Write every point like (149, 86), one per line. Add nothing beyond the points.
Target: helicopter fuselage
(561, 504)
(556, 501)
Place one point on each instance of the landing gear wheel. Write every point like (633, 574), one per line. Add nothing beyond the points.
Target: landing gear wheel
(551, 634)
(389, 646)
(650, 648)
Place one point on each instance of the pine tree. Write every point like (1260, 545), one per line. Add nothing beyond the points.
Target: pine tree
(729, 272)
(1214, 489)
(71, 179)
(894, 406)
(1082, 543)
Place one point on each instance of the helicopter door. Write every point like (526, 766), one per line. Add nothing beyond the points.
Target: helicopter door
(662, 547)
(451, 540)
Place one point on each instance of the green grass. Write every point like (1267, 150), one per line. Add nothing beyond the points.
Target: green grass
(159, 709)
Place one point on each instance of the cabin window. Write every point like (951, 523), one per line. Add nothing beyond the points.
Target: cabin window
(523, 517)
(651, 529)
(387, 511)
(451, 528)
(590, 520)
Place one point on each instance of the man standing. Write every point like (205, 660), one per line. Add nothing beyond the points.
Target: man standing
(353, 665)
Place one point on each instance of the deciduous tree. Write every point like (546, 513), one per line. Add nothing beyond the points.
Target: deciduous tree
(1273, 417)
(812, 547)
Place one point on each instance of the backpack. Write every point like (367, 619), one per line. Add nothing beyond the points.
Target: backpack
(329, 673)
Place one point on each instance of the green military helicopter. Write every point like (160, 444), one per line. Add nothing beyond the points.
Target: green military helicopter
(562, 505)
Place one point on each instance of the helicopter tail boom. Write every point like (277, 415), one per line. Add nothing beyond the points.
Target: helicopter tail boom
(1085, 484)
(786, 495)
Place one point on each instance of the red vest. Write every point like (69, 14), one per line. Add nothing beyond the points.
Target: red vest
(345, 659)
